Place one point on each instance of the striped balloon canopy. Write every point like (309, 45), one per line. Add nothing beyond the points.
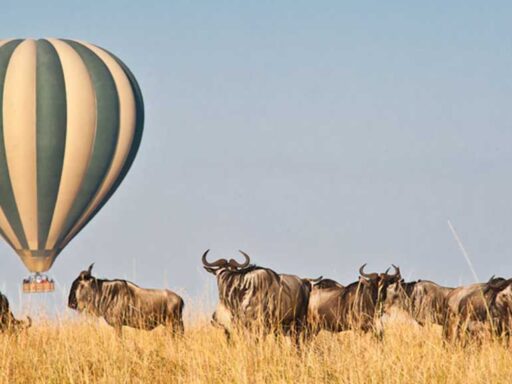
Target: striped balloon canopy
(71, 120)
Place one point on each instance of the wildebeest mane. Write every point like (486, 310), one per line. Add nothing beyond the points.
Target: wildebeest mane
(353, 284)
(249, 268)
(110, 291)
(117, 280)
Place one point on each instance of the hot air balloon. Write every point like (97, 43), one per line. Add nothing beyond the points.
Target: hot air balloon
(71, 121)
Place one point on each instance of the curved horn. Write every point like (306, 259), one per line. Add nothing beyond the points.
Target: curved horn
(370, 276)
(90, 268)
(397, 271)
(28, 323)
(218, 263)
(317, 280)
(246, 262)
(235, 264)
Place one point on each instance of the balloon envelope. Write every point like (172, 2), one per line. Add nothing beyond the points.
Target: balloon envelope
(71, 120)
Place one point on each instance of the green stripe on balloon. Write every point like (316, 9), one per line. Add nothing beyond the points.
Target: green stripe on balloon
(107, 132)
(51, 133)
(6, 193)
(139, 128)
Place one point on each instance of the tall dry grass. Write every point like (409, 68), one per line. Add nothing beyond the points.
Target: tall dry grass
(87, 351)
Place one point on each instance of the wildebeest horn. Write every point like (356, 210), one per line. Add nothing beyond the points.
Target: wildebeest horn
(370, 276)
(28, 323)
(90, 268)
(234, 263)
(312, 281)
(397, 271)
(218, 263)
(317, 280)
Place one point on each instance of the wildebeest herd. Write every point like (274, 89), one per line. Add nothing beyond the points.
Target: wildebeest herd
(261, 301)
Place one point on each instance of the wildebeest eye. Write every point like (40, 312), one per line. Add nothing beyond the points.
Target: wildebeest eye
(84, 275)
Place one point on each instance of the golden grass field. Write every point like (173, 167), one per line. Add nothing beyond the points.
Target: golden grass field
(83, 350)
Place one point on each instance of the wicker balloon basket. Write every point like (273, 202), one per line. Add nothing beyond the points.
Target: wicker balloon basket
(38, 283)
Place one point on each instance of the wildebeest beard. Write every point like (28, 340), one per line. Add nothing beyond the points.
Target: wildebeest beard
(72, 301)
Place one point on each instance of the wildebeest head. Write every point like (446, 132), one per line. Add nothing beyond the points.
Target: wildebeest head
(381, 280)
(82, 289)
(223, 264)
(395, 293)
(501, 289)
(504, 298)
(496, 284)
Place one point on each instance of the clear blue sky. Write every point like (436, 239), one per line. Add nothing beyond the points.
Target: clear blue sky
(314, 135)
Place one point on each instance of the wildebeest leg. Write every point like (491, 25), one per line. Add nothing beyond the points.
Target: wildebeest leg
(118, 328)
(300, 337)
(461, 332)
(309, 332)
(228, 335)
(222, 318)
(177, 319)
(502, 330)
(174, 327)
(450, 327)
(214, 322)
(178, 327)
(421, 321)
(290, 330)
(506, 337)
(378, 329)
(366, 325)
(303, 333)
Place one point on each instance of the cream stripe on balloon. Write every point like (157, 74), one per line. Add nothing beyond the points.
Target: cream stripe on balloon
(20, 134)
(127, 120)
(8, 231)
(80, 132)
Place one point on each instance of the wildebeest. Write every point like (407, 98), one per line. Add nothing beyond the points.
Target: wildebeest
(122, 303)
(258, 299)
(7, 320)
(357, 306)
(425, 301)
(480, 307)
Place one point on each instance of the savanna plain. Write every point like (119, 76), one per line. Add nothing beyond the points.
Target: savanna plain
(86, 350)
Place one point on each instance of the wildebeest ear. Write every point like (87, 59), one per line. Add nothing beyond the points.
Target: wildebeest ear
(209, 269)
